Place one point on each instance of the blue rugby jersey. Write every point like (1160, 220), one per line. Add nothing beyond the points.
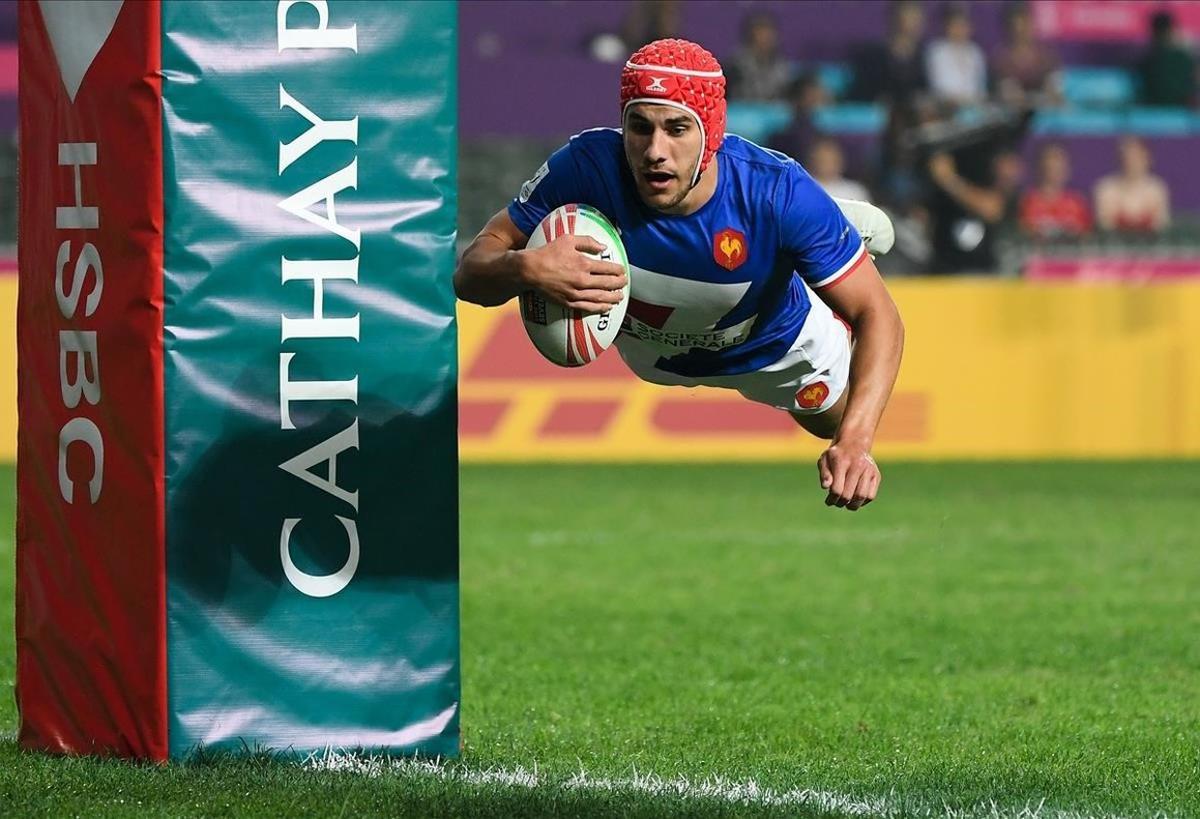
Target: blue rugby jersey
(719, 291)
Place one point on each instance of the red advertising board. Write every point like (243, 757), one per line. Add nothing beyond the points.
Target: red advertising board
(91, 670)
(1120, 21)
(1118, 269)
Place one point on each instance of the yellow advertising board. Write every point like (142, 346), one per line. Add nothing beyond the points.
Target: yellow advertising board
(992, 369)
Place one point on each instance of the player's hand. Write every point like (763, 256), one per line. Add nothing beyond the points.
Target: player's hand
(850, 474)
(562, 271)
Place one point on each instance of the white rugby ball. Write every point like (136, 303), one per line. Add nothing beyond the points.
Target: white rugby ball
(568, 337)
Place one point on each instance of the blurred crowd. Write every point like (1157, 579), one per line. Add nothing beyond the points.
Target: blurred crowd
(955, 184)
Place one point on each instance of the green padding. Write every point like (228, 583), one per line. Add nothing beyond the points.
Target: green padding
(328, 652)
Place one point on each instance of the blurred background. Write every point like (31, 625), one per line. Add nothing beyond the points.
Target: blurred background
(1047, 138)
(1037, 159)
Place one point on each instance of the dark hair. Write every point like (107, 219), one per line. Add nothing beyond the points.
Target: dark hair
(760, 17)
(1046, 147)
(1133, 139)
(1162, 23)
(897, 7)
(801, 83)
(821, 141)
(1014, 10)
(955, 11)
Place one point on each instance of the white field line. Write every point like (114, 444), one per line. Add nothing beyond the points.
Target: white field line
(713, 789)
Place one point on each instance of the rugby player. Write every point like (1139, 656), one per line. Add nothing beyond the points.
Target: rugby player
(745, 273)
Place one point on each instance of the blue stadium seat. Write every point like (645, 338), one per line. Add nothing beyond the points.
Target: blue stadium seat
(970, 115)
(835, 77)
(852, 118)
(1077, 121)
(1096, 87)
(1149, 122)
(1161, 121)
(757, 120)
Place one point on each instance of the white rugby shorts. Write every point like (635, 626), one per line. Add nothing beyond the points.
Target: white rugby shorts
(809, 378)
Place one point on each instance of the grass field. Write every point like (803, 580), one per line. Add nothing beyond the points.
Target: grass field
(987, 639)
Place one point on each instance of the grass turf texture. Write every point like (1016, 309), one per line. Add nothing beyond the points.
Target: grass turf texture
(1016, 634)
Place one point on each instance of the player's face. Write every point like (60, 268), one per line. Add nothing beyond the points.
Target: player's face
(663, 146)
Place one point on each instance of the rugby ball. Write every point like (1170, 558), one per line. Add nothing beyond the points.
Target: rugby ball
(567, 337)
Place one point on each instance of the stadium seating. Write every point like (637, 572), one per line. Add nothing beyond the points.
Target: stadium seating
(757, 120)
(1077, 122)
(835, 77)
(1098, 87)
(852, 118)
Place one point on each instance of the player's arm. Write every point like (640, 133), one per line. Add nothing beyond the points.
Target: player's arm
(846, 468)
(495, 267)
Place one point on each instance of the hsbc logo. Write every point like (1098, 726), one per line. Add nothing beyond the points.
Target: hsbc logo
(76, 32)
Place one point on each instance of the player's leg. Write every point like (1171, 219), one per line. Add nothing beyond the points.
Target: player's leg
(809, 381)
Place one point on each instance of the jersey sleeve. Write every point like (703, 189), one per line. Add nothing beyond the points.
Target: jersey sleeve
(824, 245)
(558, 182)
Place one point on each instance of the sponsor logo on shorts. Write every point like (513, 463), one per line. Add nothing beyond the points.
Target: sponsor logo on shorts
(729, 248)
(813, 395)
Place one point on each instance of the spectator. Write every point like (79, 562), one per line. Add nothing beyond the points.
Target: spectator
(893, 71)
(1133, 200)
(827, 165)
(758, 71)
(1052, 210)
(650, 20)
(969, 215)
(1168, 70)
(955, 64)
(900, 170)
(806, 95)
(1026, 71)
(647, 20)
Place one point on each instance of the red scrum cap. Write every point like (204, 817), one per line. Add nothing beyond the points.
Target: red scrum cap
(684, 75)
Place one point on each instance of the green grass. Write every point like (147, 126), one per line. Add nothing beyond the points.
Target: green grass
(1016, 634)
